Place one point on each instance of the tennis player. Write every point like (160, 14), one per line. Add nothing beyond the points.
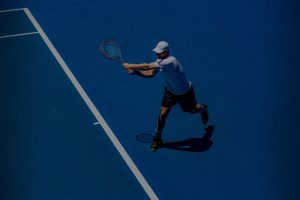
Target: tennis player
(178, 88)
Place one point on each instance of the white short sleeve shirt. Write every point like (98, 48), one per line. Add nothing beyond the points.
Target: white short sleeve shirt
(175, 78)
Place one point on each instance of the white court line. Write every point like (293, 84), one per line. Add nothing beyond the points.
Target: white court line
(18, 35)
(11, 10)
(94, 110)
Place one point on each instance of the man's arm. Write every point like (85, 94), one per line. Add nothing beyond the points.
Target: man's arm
(142, 66)
(145, 73)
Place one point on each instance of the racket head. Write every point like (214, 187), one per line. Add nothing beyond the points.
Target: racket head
(144, 138)
(111, 50)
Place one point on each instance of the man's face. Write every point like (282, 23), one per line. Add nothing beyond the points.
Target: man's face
(162, 55)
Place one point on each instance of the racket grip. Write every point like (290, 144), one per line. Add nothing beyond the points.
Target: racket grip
(136, 72)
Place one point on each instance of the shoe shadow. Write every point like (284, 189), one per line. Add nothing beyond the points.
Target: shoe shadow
(194, 144)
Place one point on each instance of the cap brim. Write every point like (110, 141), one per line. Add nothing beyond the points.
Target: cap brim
(157, 50)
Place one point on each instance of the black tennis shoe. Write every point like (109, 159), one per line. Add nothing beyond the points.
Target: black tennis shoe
(156, 144)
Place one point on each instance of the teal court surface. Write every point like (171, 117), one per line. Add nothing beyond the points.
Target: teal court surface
(69, 118)
(42, 105)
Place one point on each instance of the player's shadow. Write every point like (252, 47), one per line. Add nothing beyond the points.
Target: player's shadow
(194, 144)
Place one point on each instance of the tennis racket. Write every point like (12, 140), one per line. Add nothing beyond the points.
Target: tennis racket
(111, 50)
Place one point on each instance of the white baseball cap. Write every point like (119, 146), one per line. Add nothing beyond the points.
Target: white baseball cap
(161, 47)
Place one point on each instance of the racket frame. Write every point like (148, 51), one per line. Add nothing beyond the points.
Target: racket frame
(120, 60)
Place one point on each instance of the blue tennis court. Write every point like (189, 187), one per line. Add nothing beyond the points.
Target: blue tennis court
(69, 117)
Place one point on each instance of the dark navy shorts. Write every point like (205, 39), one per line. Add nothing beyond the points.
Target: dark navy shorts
(187, 101)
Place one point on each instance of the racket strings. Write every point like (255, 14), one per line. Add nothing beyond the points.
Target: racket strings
(111, 50)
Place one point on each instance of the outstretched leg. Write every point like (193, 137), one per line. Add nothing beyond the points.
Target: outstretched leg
(161, 122)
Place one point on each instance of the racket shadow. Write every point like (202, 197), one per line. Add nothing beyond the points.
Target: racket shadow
(193, 144)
